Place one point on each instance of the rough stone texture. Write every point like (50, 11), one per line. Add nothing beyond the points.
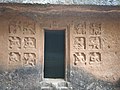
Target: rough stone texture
(89, 2)
(86, 81)
(55, 84)
(92, 45)
(20, 79)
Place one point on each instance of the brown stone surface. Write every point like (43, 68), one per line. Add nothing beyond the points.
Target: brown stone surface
(92, 37)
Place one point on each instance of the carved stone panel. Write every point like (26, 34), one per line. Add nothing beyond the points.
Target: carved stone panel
(15, 27)
(14, 42)
(87, 39)
(29, 42)
(29, 59)
(29, 28)
(80, 28)
(95, 57)
(79, 43)
(14, 57)
(95, 29)
(94, 43)
(23, 27)
(79, 57)
(22, 35)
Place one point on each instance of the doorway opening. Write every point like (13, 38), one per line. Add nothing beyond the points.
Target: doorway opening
(54, 54)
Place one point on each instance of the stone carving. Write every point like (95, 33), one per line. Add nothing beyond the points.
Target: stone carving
(80, 28)
(94, 43)
(95, 57)
(29, 42)
(79, 57)
(24, 27)
(29, 59)
(14, 57)
(15, 27)
(14, 42)
(95, 29)
(79, 43)
(29, 28)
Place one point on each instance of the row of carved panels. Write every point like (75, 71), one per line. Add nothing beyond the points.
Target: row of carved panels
(80, 43)
(92, 28)
(21, 27)
(17, 27)
(17, 42)
(28, 59)
(81, 57)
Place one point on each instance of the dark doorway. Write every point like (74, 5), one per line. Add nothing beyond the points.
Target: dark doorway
(54, 54)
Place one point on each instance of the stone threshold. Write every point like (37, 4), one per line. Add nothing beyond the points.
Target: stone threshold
(55, 84)
(54, 81)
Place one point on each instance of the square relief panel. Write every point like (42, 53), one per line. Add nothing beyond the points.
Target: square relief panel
(79, 43)
(29, 59)
(14, 42)
(94, 43)
(14, 57)
(29, 42)
(79, 57)
(95, 28)
(80, 28)
(94, 57)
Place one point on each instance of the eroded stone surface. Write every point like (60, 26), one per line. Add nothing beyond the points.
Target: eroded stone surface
(86, 81)
(20, 79)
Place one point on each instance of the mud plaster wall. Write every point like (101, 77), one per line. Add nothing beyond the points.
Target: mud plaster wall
(92, 45)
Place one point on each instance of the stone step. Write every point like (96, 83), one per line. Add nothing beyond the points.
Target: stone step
(55, 84)
(50, 88)
(62, 88)
(46, 88)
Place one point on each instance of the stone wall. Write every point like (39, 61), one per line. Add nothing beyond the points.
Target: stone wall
(92, 45)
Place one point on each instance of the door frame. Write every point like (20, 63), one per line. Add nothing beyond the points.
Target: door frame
(63, 53)
(67, 50)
